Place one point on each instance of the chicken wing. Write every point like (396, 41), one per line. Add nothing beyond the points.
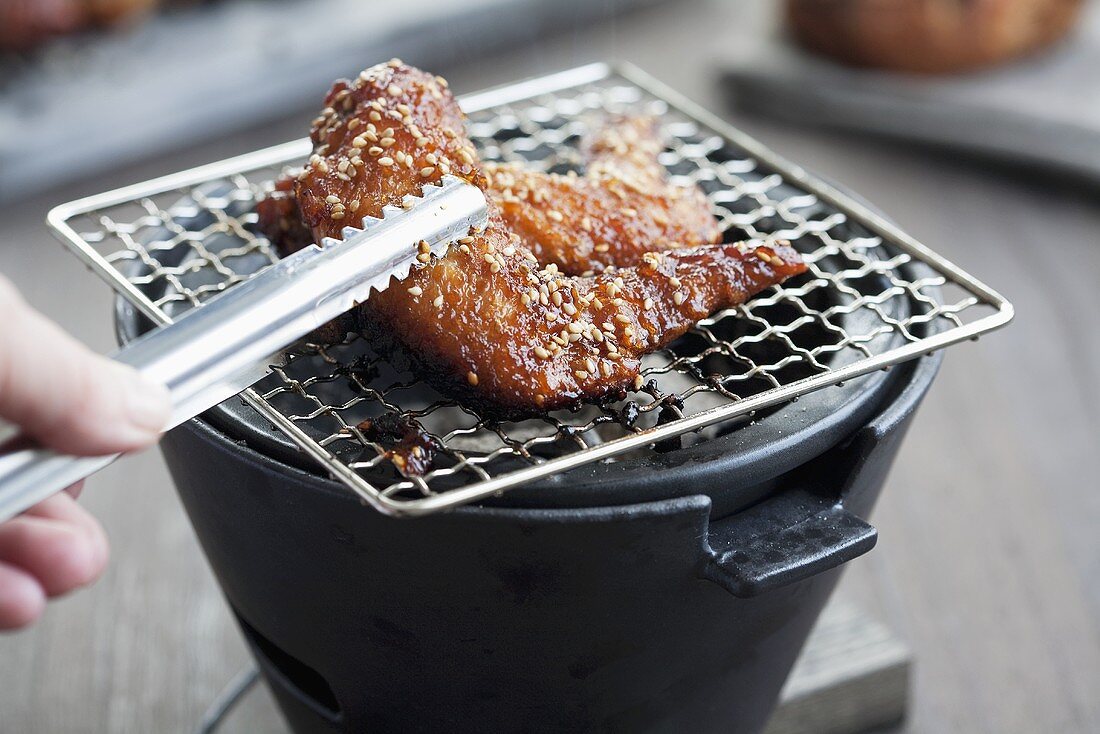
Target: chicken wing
(487, 322)
(621, 208)
(629, 206)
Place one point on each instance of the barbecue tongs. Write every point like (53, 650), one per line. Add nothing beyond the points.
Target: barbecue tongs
(213, 352)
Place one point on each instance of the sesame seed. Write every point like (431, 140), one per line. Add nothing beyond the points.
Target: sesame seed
(581, 374)
(556, 298)
(375, 116)
(395, 91)
(385, 161)
(509, 250)
(574, 328)
(569, 308)
(541, 353)
(359, 142)
(416, 290)
(677, 298)
(638, 382)
(525, 298)
(374, 150)
(674, 282)
(471, 377)
(337, 215)
(648, 304)
(421, 142)
(622, 318)
(427, 171)
(438, 302)
(489, 258)
(332, 199)
(590, 364)
(386, 142)
(555, 215)
(605, 368)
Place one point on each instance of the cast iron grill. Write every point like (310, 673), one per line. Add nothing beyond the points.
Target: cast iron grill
(169, 244)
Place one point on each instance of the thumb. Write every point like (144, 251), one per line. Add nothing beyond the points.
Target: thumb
(66, 396)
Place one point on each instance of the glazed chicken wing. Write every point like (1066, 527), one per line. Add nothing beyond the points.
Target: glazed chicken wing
(488, 322)
(621, 208)
(629, 207)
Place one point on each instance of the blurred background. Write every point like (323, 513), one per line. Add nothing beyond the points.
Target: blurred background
(979, 134)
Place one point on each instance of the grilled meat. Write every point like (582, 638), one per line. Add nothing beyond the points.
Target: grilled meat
(621, 208)
(629, 207)
(488, 321)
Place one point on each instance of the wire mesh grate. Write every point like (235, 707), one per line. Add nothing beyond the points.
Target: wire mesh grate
(872, 297)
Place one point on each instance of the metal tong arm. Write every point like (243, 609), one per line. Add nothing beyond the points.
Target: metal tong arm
(213, 352)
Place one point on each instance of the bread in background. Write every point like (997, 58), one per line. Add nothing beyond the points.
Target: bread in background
(929, 36)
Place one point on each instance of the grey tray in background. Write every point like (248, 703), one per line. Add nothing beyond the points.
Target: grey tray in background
(1041, 111)
(85, 104)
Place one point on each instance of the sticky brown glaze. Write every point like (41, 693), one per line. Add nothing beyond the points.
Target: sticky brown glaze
(281, 219)
(491, 327)
(626, 205)
(412, 448)
(621, 208)
(379, 138)
(487, 323)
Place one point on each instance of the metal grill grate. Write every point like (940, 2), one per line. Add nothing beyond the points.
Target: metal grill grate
(873, 297)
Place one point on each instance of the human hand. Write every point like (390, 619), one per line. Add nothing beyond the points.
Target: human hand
(70, 399)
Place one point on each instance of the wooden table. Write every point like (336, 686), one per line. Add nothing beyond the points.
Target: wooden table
(989, 557)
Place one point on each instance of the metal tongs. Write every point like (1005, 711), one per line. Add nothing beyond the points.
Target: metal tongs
(213, 352)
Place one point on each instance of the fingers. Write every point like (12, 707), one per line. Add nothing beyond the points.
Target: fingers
(21, 598)
(64, 395)
(51, 549)
(57, 543)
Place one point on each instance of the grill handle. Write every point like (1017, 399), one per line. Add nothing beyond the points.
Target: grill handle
(749, 556)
